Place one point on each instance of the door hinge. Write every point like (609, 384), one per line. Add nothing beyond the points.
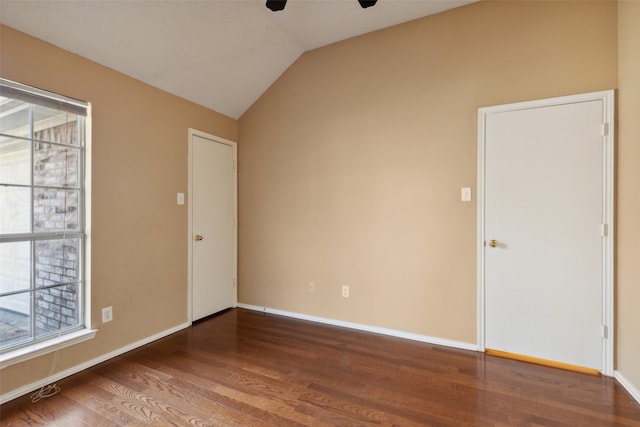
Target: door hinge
(234, 282)
(604, 129)
(605, 331)
(233, 164)
(603, 230)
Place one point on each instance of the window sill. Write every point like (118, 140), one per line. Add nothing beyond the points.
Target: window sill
(41, 348)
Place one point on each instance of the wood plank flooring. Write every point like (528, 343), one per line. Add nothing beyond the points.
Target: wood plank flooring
(244, 368)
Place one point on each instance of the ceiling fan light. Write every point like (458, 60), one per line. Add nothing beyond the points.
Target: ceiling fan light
(276, 5)
(367, 3)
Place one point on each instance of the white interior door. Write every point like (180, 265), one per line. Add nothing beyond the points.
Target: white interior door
(212, 225)
(544, 219)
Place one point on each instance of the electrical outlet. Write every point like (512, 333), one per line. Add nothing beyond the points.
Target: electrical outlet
(345, 291)
(107, 314)
(311, 287)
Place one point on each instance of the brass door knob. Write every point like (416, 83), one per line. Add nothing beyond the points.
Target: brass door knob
(198, 237)
(493, 243)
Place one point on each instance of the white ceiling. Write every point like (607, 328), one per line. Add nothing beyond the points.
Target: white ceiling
(222, 54)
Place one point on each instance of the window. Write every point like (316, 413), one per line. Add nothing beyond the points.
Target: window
(42, 220)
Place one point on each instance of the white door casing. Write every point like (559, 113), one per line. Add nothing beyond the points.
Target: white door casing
(545, 186)
(212, 205)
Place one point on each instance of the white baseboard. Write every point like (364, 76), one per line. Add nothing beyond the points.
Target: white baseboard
(632, 389)
(13, 394)
(367, 328)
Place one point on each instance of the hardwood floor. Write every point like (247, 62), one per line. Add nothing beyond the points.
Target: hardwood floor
(246, 368)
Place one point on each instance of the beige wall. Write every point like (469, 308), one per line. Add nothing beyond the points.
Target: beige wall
(351, 164)
(139, 257)
(350, 171)
(628, 206)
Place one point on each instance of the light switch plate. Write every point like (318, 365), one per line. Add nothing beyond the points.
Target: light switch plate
(181, 198)
(465, 194)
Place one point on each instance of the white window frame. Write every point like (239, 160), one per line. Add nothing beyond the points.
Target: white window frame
(83, 332)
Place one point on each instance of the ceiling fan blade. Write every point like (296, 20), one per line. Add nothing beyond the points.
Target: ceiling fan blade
(276, 5)
(367, 3)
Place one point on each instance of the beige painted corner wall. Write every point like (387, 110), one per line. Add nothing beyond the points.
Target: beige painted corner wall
(139, 234)
(351, 164)
(628, 203)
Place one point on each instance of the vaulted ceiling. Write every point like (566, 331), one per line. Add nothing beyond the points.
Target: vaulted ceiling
(222, 54)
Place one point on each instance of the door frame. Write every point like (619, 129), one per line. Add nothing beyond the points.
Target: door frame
(607, 97)
(234, 146)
